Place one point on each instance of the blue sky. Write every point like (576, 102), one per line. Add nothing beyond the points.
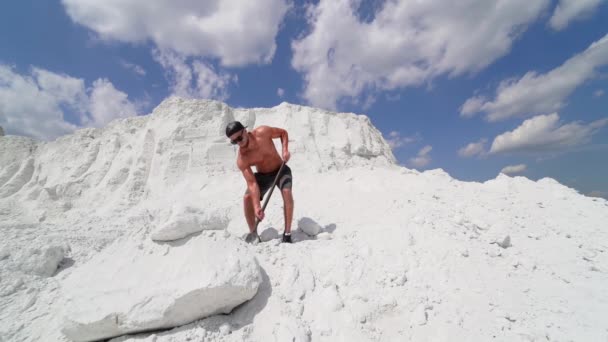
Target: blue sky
(470, 87)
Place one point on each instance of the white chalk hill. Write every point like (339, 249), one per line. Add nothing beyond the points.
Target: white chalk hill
(171, 165)
(138, 226)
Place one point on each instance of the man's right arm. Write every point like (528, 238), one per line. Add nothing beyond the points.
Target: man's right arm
(252, 185)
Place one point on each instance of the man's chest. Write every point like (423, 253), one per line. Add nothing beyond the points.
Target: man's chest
(263, 152)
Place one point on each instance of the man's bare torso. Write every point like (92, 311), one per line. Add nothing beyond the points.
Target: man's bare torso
(260, 152)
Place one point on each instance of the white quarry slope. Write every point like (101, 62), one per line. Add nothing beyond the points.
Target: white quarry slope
(147, 216)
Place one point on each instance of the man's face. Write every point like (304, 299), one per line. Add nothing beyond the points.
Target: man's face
(239, 138)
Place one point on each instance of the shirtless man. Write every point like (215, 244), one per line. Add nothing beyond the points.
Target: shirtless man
(257, 149)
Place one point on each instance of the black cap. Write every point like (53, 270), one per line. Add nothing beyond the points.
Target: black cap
(234, 127)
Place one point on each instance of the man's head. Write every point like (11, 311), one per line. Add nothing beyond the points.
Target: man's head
(236, 132)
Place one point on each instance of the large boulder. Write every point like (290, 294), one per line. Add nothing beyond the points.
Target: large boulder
(140, 286)
(188, 220)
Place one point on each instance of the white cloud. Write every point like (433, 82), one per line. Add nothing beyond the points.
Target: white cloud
(473, 149)
(280, 92)
(570, 10)
(536, 93)
(35, 105)
(408, 43)
(395, 140)
(472, 106)
(28, 109)
(62, 88)
(210, 84)
(198, 80)
(133, 67)
(598, 93)
(544, 133)
(513, 169)
(107, 104)
(235, 32)
(423, 158)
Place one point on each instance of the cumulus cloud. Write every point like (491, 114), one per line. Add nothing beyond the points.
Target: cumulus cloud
(473, 149)
(545, 133)
(407, 43)
(570, 10)
(133, 67)
(395, 140)
(37, 104)
(195, 79)
(598, 93)
(107, 103)
(536, 93)
(423, 158)
(513, 169)
(280, 92)
(235, 32)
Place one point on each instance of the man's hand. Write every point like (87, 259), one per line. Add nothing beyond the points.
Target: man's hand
(259, 213)
(286, 156)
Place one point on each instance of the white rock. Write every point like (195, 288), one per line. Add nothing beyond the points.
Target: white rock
(225, 329)
(125, 289)
(269, 234)
(42, 261)
(309, 226)
(419, 316)
(188, 220)
(324, 236)
(505, 243)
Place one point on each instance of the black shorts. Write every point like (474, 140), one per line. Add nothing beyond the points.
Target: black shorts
(265, 180)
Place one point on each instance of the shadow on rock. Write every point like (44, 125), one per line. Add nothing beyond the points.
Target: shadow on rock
(64, 264)
(309, 229)
(244, 314)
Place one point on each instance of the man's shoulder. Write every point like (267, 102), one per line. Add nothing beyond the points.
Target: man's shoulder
(260, 130)
(266, 131)
(242, 162)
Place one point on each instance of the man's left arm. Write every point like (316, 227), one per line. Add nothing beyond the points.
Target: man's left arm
(275, 133)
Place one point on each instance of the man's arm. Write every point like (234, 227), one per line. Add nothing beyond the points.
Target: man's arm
(275, 133)
(252, 185)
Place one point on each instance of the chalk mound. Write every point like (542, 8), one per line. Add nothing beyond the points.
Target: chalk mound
(132, 287)
(187, 220)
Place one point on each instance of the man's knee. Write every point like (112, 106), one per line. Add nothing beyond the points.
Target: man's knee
(287, 194)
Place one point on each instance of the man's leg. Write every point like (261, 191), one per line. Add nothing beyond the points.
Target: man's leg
(287, 208)
(249, 212)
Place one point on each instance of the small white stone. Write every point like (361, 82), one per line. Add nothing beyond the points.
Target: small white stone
(506, 242)
(309, 226)
(225, 329)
